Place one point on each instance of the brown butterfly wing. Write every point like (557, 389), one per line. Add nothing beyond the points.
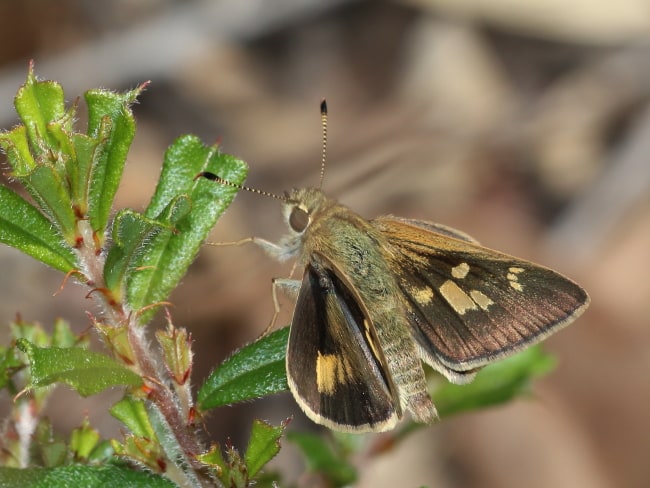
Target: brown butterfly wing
(469, 305)
(332, 367)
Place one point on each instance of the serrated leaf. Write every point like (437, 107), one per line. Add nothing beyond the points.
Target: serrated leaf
(49, 448)
(16, 145)
(142, 451)
(169, 254)
(116, 338)
(38, 103)
(131, 234)
(80, 475)
(149, 256)
(32, 331)
(62, 336)
(38, 151)
(53, 452)
(79, 170)
(177, 352)
(214, 458)
(252, 372)
(111, 121)
(86, 371)
(320, 457)
(102, 454)
(495, 384)
(23, 227)
(59, 131)
(47, 186)
(83, 440)
(133, 413)
(9, 365)
(264, 445)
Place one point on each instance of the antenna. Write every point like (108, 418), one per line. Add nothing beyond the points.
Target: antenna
(212, 177)
(323, 123)
(323, 120)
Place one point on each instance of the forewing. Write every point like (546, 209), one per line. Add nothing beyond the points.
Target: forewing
(469, 305)
(333, 368)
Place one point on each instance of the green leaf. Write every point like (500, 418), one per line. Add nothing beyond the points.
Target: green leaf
(79, 169)
(86, 371)
(221, 468)
(111, 121)
(177, 352)
(32, 331)
(494, 384)
(79, 475)
(231, 471)
(23, 227)
(53, 452)
(83, 440)
(131, 234)
(133, 413)
(49, 449)
(189, 208)
(39, 150)
(142, 451)
(50, 190)
(252, 372)
(116, 338)
(16, 145)
(152, 443)
(38, 103)
(59, 131)
(321, 458)
(9, 365)
(62, 336)
(102, 454)
(148, 255)
(264, 445)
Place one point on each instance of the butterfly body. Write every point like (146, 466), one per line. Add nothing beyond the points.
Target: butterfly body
(351, 323)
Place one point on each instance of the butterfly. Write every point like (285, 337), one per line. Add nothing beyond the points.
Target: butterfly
(378, 297)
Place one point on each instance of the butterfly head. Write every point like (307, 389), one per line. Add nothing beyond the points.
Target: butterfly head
(301, 206)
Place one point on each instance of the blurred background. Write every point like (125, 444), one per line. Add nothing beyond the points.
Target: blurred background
(525, 124)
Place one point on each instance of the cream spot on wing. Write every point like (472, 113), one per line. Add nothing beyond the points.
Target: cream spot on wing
(460, 271)
(513, 278)
(481, 299)
(457, 298)
(422, 295)
(516, 286)
(330, 371)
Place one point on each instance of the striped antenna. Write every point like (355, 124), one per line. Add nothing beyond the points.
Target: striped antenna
(323, 122)
(219, 179)
(323, 119)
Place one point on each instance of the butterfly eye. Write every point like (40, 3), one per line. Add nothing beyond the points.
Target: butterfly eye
(299, 219)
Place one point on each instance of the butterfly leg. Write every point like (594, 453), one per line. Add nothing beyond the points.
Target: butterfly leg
(290, 288)
(268, 246)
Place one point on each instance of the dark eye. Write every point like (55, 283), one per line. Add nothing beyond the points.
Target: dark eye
(299, 219)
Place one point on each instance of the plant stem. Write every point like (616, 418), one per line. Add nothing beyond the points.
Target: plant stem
(147, 363)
